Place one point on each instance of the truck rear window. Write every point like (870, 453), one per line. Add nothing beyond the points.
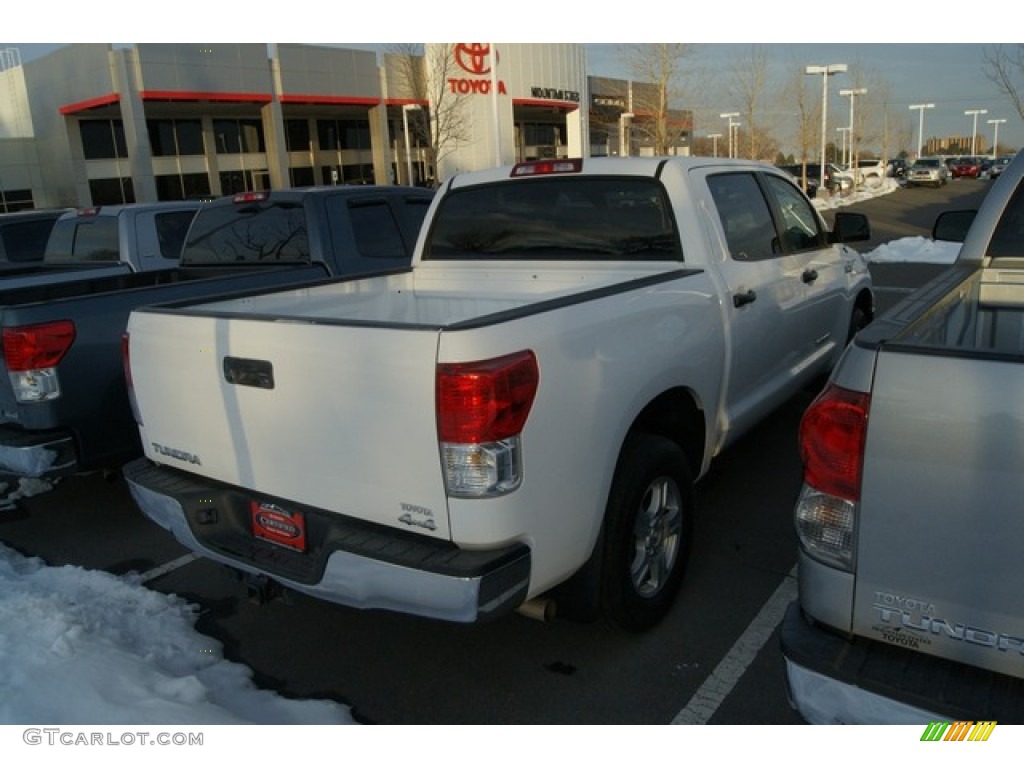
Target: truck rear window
(564, 218)
(258, 231)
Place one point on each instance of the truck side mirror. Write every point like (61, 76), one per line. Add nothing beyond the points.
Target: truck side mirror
(849, 228)
(952, 226)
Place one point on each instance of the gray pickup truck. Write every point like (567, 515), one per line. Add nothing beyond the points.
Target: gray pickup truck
(64, 407)
(911, 529)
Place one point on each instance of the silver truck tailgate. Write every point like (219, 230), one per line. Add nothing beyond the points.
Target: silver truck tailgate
(941, 528)
(273, 405)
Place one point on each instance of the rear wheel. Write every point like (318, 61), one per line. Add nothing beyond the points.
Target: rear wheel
(649, 527)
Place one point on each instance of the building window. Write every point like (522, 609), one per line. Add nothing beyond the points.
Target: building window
(233, 182)
(297, 135)
(301, 177)
(16, 200)
(183, 186)
(170, 138)
(343, 134)
(238, 136)
(111, 191)
(103, 139)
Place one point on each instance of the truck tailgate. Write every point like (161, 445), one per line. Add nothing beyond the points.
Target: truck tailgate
(945, 435)
(273, 405)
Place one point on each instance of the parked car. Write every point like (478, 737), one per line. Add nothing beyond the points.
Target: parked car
(803, 177)
(998, 166)
(966, 167)
(867, 170)
(897, 168)
(929, 171)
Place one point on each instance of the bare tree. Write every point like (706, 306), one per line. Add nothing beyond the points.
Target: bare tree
(422, 73)
(749, 77)
(1004, 66)
(657, 71)
(797, 97)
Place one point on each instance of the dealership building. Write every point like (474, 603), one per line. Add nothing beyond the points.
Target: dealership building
(93, 123)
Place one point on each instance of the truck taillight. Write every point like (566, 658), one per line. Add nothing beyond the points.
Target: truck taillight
(32, 353)
(832, 436)
(482, 408)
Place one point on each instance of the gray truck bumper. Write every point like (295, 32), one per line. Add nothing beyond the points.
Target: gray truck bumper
(378, 568)
(832, 680)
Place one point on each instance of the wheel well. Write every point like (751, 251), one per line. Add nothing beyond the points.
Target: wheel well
(676, 415)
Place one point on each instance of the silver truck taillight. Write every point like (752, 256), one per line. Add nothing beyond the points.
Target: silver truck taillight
(832, 435)
(825, 526)
(481, 411)
(31, 353)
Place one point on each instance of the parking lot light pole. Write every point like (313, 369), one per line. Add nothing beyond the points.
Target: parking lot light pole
(995, 136)
(824, 70)
(729, 116)
(406, 109)
(714, 142)
(852, 93)
(974, 133)
(920, 126)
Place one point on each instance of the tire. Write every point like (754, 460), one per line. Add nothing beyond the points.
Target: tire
(649, 530)
(859, 320)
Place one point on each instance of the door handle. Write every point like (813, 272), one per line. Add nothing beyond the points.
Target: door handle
(739, 299)
(809, 275)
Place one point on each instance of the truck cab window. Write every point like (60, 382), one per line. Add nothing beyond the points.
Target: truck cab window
(746, 220)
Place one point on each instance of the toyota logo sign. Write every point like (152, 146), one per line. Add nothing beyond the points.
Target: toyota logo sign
(473, 57)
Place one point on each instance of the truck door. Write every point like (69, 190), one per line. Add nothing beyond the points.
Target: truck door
(765, 284)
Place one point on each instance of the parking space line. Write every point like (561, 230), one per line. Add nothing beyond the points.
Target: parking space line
(727, 674)
(173, 565)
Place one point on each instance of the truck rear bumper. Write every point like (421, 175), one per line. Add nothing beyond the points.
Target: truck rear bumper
(36, 454)
(832, 680)
(348, 561)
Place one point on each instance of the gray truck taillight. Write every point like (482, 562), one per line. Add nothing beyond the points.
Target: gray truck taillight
(31, 353)
(832, 435)
(482, 408)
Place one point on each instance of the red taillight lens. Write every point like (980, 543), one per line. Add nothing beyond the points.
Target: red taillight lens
(832, 435)
(34, 347)
(486, 401)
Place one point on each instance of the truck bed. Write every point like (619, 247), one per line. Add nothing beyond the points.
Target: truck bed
(431, 296)
(980, 314)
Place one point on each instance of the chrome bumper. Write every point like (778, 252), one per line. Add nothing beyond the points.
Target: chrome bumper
(492, 585)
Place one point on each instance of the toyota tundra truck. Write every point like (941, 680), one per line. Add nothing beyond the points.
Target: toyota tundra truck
(911, 576)
(518, 420)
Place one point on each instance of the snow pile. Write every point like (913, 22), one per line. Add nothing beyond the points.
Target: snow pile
(80, 646)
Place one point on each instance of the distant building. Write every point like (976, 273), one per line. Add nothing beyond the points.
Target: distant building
(956, 145)
(92, 123)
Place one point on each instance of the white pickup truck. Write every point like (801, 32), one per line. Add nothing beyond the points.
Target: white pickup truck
(518, 418)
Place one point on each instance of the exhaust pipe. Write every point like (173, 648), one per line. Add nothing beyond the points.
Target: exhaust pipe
(539, 608)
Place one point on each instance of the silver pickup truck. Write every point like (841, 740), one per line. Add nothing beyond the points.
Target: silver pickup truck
(910, 521)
